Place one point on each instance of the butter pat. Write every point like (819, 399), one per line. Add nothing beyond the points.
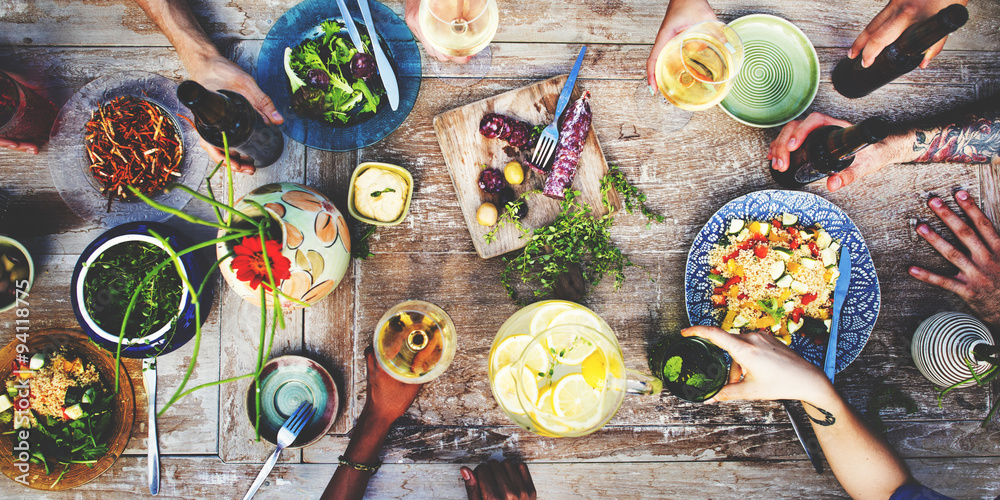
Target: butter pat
(380, 194)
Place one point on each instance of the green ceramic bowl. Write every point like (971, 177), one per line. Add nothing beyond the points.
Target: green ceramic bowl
(405, 174)
(780, 73)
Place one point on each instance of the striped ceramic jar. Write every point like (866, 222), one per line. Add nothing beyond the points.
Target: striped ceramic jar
(942, 343)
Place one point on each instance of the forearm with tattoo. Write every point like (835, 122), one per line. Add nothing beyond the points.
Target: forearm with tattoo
(971, 135)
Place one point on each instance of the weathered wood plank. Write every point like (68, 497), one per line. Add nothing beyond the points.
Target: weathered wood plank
(120, 22)
(204, 477)
(329, 325)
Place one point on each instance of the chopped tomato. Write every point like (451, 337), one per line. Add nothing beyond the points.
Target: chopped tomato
(813, 249)
(794, 244)
(792, 231)
(719, 300)
(731, 256)
(718, 290)
(808, 298)
(776, 223)
(742, 296)
(760, 251)
(796, 314)
(771, 285)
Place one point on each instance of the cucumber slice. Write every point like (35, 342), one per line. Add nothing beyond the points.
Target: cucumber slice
(775, 327)
(784, 253)
(765, 228)
(735, 226)
(37, 361)
(777, 270)
(789, 306)
(789, 219)
(5, 403)
(809, 262)
(794, 327)
(744, 234)
(73, 412)
(835, 246)
(784, 281)
(823, 240)
(829, 257)
(799, 287)
(715, 278)
(740, 321)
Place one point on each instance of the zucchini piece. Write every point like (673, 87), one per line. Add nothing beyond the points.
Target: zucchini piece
(828, 323)
(777, 270)
(775, 327)
(789, 306)
(794, 327)
(789, 219)
(784, 253)
(835, 246)
(744, 234)
(735, 226)
(824, 239)
(765, 227)
(37, 361)
(5, 403)
(829, 257)
(740, 321)
(73, 412)
(799, 287)
(784, 281)
(809, 262)
(715, 278)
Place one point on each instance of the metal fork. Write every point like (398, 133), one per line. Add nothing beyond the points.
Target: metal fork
(286, 435)
(546, 145)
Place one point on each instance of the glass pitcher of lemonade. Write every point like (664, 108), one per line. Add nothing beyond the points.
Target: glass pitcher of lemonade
(557, 370)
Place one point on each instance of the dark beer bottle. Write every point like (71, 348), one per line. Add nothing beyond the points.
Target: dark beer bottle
(828, 150)
(853, 80)
(227, 111)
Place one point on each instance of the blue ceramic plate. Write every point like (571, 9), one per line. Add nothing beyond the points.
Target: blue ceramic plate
(301, 22)
(863, 296)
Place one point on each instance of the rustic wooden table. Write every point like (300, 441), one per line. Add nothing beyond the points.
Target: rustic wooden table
(655, 447)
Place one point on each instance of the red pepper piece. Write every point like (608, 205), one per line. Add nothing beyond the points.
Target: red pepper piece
(719, 300)
(813, 249)
(731, 281)
(760, 251)
(808, 298)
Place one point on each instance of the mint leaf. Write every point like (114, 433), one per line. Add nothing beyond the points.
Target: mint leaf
(698, 380)
(672, 369)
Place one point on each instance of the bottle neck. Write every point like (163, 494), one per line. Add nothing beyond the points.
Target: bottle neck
(921, 36)
(843, 143)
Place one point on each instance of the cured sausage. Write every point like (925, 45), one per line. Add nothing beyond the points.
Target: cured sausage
(515, 132)
(572, 134)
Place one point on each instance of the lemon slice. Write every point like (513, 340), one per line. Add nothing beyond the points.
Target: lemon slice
(573, 397)
(510, 350)
(569, 348)
(545, 315)
(594, 369)
(577, 317)
(544, 402)
(505, 388)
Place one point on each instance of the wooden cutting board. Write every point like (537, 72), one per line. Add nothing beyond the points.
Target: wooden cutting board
(466, 150)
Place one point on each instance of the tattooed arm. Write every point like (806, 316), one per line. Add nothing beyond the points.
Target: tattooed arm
(764, 368)
(968, 135)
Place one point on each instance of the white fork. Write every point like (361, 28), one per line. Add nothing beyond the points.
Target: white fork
(546, 145)
(286, 435)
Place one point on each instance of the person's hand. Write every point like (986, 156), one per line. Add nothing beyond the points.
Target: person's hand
(27, 147)
(388, 398)
(411, 9)
(978, 278)
(215, 73)
(681, 14)
(765, 368)
(887, 25)
(867, 161)
(499, 481)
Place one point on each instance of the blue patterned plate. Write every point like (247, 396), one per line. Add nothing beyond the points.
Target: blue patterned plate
(302, 21)
(863, 296)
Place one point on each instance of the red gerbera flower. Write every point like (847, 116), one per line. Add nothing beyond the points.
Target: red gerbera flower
(249, 262)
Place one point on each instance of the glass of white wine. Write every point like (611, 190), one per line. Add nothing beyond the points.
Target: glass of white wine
(460, 28)
(414, 341)
(696, 68)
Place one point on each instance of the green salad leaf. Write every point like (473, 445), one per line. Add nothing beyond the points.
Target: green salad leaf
(342, 97)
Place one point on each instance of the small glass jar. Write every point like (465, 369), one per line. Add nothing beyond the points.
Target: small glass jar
(692, 368)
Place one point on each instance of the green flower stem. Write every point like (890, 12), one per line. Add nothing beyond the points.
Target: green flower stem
(197, 335)
(211, 193)
(213, 203)
(210, 384)
(270, 279)
(177, 213)
(260, 358)
(231, 200)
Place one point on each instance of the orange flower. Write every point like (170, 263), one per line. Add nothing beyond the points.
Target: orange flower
(249, 262)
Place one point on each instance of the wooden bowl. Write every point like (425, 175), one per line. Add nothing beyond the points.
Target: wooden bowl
(122, 415)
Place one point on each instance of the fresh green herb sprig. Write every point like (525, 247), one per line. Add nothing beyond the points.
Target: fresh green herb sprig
(575, 239)
(376, 194)
(360, 248)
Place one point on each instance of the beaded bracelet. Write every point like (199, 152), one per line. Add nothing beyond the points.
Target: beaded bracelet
(361, 467)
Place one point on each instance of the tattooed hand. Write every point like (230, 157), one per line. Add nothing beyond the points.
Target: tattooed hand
(978, 278)
(765, 368)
